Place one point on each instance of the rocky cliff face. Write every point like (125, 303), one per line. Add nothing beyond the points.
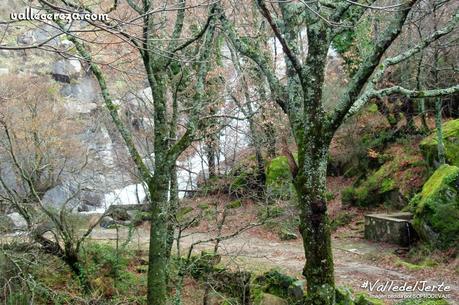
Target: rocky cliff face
(108, 166)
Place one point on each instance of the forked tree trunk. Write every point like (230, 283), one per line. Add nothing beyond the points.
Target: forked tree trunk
(310, 185)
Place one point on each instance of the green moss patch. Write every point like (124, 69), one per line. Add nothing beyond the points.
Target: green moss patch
(234, 204)
(450, 140)
(436, 208)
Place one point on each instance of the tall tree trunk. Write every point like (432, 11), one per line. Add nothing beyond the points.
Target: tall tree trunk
(310, 185)
(173, 207)
(157, 265)
(440, 145)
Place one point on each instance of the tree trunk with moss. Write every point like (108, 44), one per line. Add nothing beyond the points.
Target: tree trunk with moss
(439, 129)
(157, 255)
(310, 185)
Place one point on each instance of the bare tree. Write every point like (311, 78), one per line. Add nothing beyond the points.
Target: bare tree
(38, 150)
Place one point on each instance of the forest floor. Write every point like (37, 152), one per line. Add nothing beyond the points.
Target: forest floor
(357, 261)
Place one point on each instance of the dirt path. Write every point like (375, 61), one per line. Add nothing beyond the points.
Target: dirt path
(353, 260)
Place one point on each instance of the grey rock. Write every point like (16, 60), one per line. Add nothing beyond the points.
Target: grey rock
(76, 107)
(84, 90)
(45, 33)
(19, 223)
(91, 198)
(107, 222)
(66, 70)
(4, 71)
(66, 44)
(296, 290)
(8, 175)
(58, 196)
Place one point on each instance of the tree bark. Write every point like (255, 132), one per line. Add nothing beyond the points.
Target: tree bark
(310, 185)
(439, 129)
(157, 270)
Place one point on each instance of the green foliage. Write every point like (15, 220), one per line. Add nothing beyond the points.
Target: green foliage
(6, 224)
(355, 44)
(107, 269)
(243, 179)
(18, 298)
(103, 258)
(450, 140)
(436, 208)
(271, 211)
(344, 41)
(234, 204)
(343, 218)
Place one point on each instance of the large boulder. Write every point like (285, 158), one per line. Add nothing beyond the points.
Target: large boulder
(436, 208)
(18, 222)
(450, 140)
(60, 196)
(66, 70)
(84, 91)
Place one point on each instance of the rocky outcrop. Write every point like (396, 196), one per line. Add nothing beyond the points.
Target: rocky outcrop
(44, 33)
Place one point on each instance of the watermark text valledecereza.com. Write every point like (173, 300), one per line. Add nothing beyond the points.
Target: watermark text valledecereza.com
(30, 14)
(398, 289)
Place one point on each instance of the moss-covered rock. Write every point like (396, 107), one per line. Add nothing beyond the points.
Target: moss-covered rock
(393, 184)
(280, 285)
(279, 178)
(450, 140)
(436, 208)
